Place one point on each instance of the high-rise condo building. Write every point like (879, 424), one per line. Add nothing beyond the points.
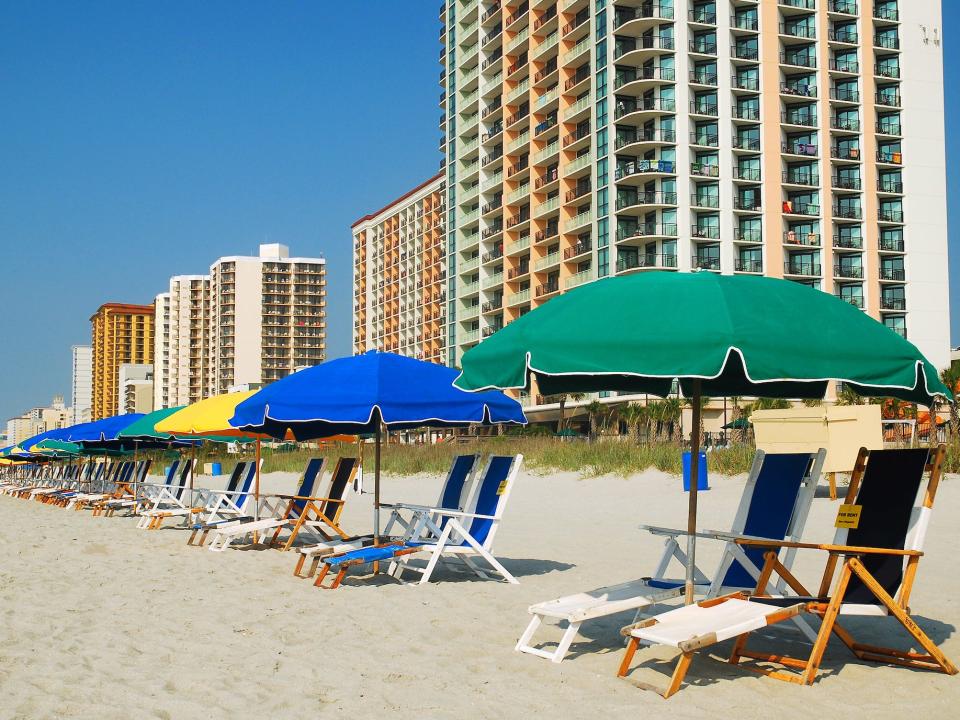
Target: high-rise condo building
(268, 317)
(187, 374)
(122, 334)
(161, 352)
(801, 139)
(81, 383)
(251, 321)
(399, 276)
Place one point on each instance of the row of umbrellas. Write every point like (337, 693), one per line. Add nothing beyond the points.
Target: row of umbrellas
(715, 335)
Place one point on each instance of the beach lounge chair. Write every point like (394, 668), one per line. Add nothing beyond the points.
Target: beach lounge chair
(775, 503)
(871, 564)
(229, 506)
(453, 496)
(146, 492)
(124, 495)
(169, 497)
(205, 500)
(464, 535)
(117, 475)
(297, 511)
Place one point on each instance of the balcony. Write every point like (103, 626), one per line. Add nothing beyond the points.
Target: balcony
(649, 11)
(890, 157)
(894, 274)
(750, 266)
(792, 237)
(705, 262)
(790, 207)
(804, 269)
(891, 244)
(890, 216)
(841, 242)
(646, 260)
(700, 232)
(580, 248)
(801, 177)
(855, 300)
(848, 272)
(847, 212)
(893, 303)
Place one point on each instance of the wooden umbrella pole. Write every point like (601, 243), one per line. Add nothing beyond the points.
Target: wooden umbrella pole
(136, 472)
(193, 469)
(696, 402)
(256, 492)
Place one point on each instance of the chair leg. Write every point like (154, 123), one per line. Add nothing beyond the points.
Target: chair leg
(568, 637)
(628, 654)
(524, 641)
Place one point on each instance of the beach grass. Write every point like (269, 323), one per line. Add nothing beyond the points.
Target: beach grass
(541, 454)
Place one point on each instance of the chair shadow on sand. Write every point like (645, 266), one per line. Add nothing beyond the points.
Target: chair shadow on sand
(447, 572)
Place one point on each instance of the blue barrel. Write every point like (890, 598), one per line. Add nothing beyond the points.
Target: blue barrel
(701, 472)
(217, 468)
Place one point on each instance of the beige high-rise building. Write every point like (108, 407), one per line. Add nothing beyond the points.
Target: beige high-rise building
(268, 317)
(161, 352)
(187, 372)
(399, 276)
(801, 139)
(122, 334)
(81, 383)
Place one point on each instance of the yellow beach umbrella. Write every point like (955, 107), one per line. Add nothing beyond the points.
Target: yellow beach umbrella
(211, 418)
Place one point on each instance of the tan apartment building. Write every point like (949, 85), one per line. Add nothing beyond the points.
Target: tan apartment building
(399, 276)
(188, 370)
(268, 317)
(122, 334)
(161, 351)
(801, 139)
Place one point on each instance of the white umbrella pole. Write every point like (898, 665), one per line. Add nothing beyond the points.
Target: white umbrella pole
(256, 492)
(376, 486)
(696, 402)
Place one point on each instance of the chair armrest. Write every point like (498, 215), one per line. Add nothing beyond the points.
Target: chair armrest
(834, 549)
(410, 506)
(459, 514)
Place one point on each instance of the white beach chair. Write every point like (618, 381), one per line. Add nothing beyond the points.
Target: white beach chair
(168, 498)
(289, 510)
(206, 500)
(877, 560)
(466, 536)
(230, 506)
(453, 496)
(775, 501)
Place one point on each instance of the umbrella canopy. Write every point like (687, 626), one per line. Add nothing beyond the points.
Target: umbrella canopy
(354, 394)
(99, 431)
(363, 393)
(715, 334)
(736, 334)
(207, 418)
(741, 423)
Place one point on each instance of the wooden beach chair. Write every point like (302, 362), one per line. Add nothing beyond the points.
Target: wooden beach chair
(871, 566)
(466, 536)
(288, 509)
(775, 504)
(206, 500)
(168, 497)
(229, 506)
(453, 496)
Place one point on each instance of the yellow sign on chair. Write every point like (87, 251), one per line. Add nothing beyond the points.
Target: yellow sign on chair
(502, 487)
(848, 516)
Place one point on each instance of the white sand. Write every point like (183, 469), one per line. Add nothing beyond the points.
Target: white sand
(102, 620)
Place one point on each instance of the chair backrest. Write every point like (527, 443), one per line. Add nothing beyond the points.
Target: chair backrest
(308, 481)
(234, 481)
(340, 482)
(181, 485)
(456, 488)
(893, 515)
(775, 504)
(142, 470)
(490, 497)
(245, 483)
(172, 472)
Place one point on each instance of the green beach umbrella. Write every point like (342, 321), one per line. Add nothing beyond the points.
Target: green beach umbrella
(741, 423)
(718, 335)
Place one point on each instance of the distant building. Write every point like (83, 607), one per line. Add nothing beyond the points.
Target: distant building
(122, 334)
(38, 420)
(161, 351)
(135, 388)
(81, 383)
(400, 276)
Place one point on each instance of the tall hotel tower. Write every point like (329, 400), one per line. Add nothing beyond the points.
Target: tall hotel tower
(801, 139)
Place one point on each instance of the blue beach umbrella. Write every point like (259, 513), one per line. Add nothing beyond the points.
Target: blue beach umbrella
(100, 433)
(364, 393)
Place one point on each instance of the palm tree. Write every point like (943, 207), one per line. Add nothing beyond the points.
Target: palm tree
(848, 396)
(671, 410)
(576, 397)
(594, 410)
(633, 414)
(951, 378)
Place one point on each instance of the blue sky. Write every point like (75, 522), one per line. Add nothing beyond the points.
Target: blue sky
(139, 140)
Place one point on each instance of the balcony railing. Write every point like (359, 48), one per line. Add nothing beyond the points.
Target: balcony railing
(752, 266)
(646, 260)
(801, 268)
(854, 272)
(887, 273)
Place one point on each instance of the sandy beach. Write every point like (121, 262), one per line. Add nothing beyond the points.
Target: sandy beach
(102, 620)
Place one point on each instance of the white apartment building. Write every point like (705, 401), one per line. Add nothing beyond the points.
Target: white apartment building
(399, 276)
(81, 383)
(801, 139)
(135, 388)
(268, 316)
(251, 321)
(38, 420)
(161, 352)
